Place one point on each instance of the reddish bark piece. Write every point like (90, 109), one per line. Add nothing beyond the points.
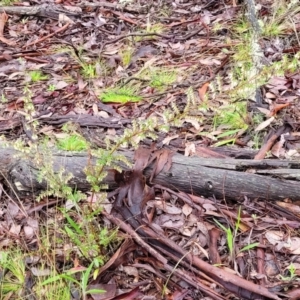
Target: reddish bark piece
(202, 91)
(261, 261)
(214, 235)
(268, 145)
(3, 19)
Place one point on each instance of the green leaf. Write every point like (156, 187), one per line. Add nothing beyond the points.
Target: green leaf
(86, 274)
(73, 224)
(95, 291)
(58, 277)
(221, 143)
(250, 246)
(227, 133)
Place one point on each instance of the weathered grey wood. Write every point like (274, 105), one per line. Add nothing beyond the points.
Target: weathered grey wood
(44, 10)
(228, 178)
(188, 174)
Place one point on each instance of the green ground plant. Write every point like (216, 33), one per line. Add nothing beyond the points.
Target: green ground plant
(89, 70)
(92, 70)
(81, 284)
(126, 55)
(37, 75)
(12, 279)
(54, 290)
(231, 237)
(292, 273)
(51, 88)
(121, 95)
(233, 116)
(243, 78)
(281, 20)
(73, 142)
(87, 236)
(7, 2)
(150, 28)
(161, 78)
(3, 98)
(140, 130)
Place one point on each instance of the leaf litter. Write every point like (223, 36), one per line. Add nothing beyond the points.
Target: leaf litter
(172, 248)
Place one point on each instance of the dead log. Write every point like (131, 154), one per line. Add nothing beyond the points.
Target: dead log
(223, 178)
(44, 10)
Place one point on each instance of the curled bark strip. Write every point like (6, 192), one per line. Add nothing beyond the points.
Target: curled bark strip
(48, 36)
(3, 19)
(214, 235)
(268, 145)
(260, 252)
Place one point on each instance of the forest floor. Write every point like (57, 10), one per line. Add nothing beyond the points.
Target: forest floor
(192, 77)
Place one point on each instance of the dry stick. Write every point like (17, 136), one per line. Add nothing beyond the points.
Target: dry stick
(268, 145)
(226, 278)
(198, 284)
(159, 257)
(186, 277)
(136, 237)
(260, 254)
(214, 255)
(48, 36)
(185, 198)
(155, 34)
(221, 276)
(122, 17)
(3, 19)
(37, 60)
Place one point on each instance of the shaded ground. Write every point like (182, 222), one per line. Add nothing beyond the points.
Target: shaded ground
(182, 73)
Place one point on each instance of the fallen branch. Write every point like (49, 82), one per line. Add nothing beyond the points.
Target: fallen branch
(201, 176)
(44, 10)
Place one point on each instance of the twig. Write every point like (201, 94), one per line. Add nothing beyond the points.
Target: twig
(48, 36)
(136, 237)
(122, 17)
(268, 145)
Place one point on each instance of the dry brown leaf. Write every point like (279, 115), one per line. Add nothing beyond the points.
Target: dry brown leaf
(264, 124)
(186, 209)
(168, 139)
(190, 149)
(278, 107)
(202, 91)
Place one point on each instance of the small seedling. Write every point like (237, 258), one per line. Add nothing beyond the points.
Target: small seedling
(89, 70)
(37, 75)
(120, 95)
(249, 247)
(12, 277)
(233, 116)
(231, 236)
(126, 56)
(72, 143)
(292, 270)
(3, 99)
(82, 284)
(241, 26)
(51, 88)
(161, 78)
